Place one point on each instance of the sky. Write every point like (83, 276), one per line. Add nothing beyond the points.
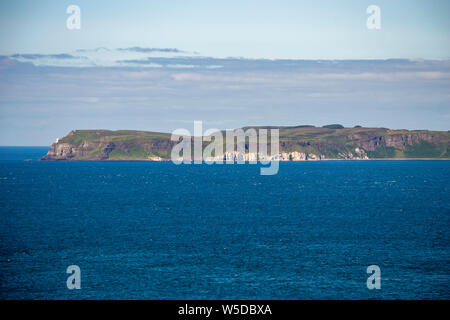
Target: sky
(323, 29)
(160, 65)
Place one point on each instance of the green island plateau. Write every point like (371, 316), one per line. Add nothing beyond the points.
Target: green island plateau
(296, 143)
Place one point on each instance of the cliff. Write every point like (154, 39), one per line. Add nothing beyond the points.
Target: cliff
(296, 144)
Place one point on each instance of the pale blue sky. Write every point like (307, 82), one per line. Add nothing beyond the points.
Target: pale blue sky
(326, 29)
(111, 74)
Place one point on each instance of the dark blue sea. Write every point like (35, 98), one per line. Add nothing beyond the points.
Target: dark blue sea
(148, 230)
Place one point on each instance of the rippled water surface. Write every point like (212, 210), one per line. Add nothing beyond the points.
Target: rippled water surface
(160, 231)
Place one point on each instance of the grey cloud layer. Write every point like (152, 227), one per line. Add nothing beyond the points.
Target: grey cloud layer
(40, 103)
(98, 57)
(40, 56)
(146, 50)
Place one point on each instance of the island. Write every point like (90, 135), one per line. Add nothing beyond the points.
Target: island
(296, 143)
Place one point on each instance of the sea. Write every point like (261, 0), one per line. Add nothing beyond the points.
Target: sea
(156, 230)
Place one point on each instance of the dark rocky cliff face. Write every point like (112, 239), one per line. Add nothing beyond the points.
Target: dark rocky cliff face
(110, 145)
(69, 151)
(60, 151)
(398, 141)
(105, 151)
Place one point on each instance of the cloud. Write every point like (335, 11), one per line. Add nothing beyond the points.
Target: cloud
(382, 76)
(40, 56)
(213, 67)
(295, 77)
(173, 58)
(181, 66)
(99, 49)
(59, 60)
(102, 56)
(148, 50)
(127, 95)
